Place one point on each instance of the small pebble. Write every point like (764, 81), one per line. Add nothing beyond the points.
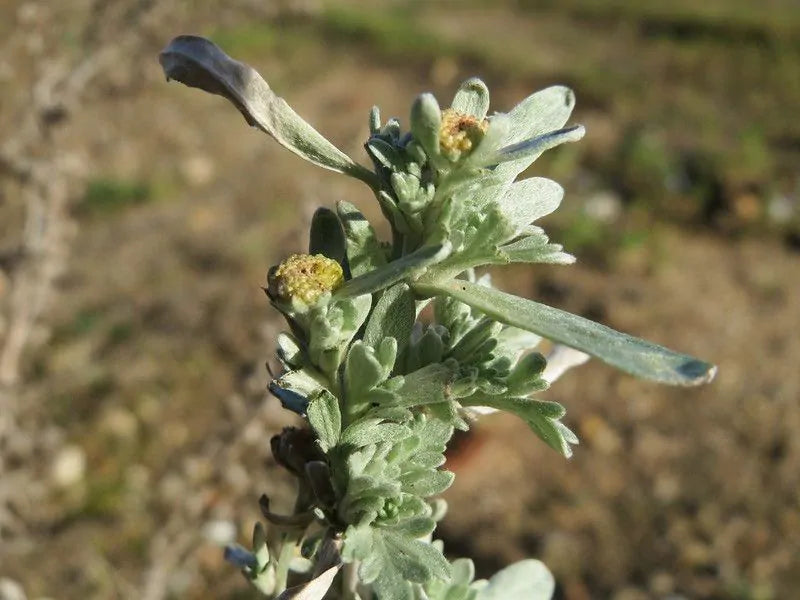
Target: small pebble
(69, 466)
(220, 532)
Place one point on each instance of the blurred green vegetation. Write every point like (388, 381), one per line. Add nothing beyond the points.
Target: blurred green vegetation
(108, 194)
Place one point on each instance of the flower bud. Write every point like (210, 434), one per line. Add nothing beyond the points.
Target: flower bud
(460, 133)
(305, 278)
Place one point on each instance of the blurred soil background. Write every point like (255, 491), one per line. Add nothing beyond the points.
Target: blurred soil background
(138, 220)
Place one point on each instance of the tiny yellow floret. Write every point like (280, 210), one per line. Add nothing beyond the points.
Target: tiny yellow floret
(460, 133)
(305, 277)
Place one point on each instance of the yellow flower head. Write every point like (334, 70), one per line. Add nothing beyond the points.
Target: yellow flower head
(460, 133)
(304, 277)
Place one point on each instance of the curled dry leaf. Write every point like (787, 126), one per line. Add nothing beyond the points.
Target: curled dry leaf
(198, 62)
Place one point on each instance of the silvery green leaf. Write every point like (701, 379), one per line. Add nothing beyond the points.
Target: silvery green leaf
(306, 381)
(535, 249)
(358, 541)
(449, 413)
(416, 527)
(428, 385)
(530, 199)
(526, 376)
(486, 330)
(401, 269)
(363, 370)
(327, 237)
(370, 568)
(438, 509)
(391, 583)
(374, 120)
(264, 581)
(325, 418)
(386, 353)
(530, 149)
(632, 355)
(542, 417)
(389, 413)
(372, 486)
(542, 111)
(260, 548)
(463, 571)
(393, 316)
(425, 482)
(198, 62)
(428, 350)
(427, 460)
(472, 98)
(426, 120)
(289, 350)
(364, 252)
(525, 580)
(539, 113)
(370, 431)
(413, 556)
(391, 129)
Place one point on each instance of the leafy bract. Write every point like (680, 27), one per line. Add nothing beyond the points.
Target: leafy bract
(364, 252)
(393, 316)
(326, 418)
(472, 98)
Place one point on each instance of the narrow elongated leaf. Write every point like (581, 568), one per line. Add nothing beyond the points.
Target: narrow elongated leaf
(472, 98)
(395, 271)
(393, 316)
(632, 355)
(198, 62)
(426, 119)
(327, 237)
